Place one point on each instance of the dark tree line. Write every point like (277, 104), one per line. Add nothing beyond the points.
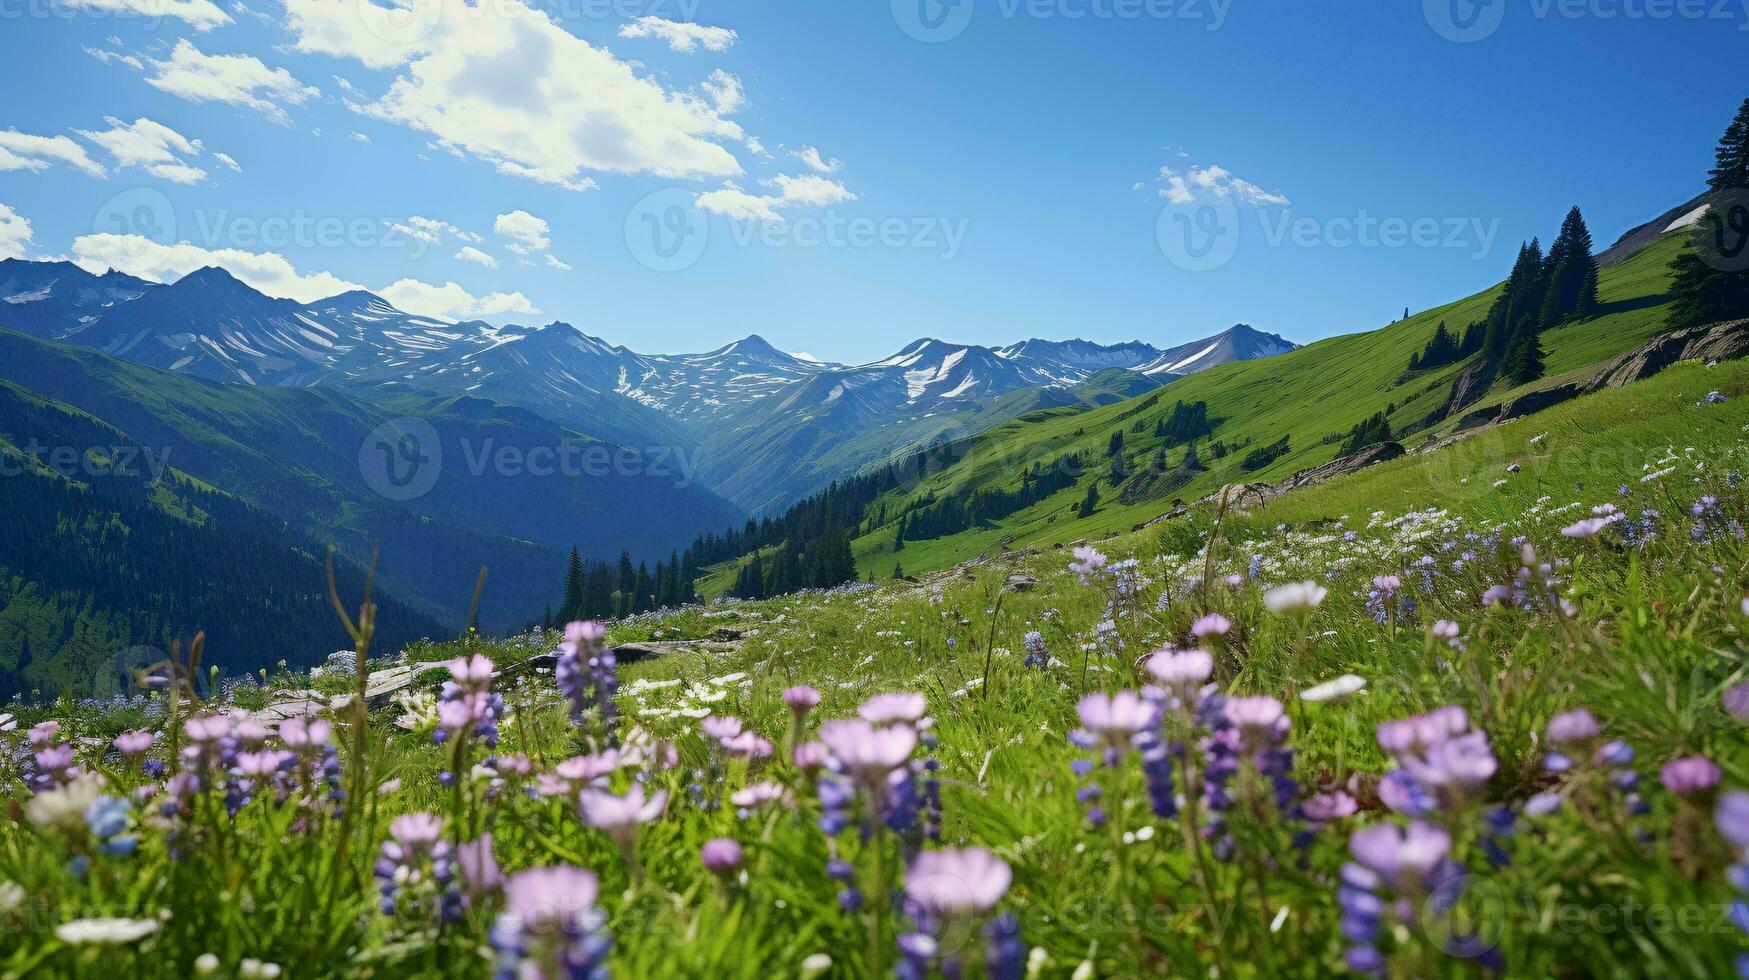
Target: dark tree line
(599, 590)
(1375, 429)
(932, 517)
(1257, 459)
(821, 563)
(1446, 347)
(1187, 423)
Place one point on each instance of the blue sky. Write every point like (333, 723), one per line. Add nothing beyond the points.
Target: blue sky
(636, 169)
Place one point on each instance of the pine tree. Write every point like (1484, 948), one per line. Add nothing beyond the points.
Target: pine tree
(1712, 275)
(1572, 287)
(627, 577)
(899, 537)
(1115, 447)
(1091, 501)
(898, 570)
(573, 605)
(1524, 362)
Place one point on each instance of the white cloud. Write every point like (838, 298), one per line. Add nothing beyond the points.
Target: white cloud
(274, 274)
(269, 272)
(506, 84)
(24, 151)
(811, 157)
(554, 263)
(150, 146)
(451, 302)
(225, 158)
(14, 233)
(115, 56)
(755, 147)
(1215, 181)
(234, 79)
(808, 190)
(683, 37)
(526, 232)
(202, 15)
(360, 137)
(472, 254)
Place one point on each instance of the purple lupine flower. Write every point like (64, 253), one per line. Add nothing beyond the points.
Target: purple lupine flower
(866, 753)
(1690, 776)
(1036, 655)
(1114, 719)
(1732, 819)
(955, 883)
(133, 742)
(416, 870)
(466, 706)
(550, 926)
(479, 867)
(1737, 698)
(720, 855)
(1181, 673)
(587, 674)
(1214, 624)
(801, 700)
(1573, 726)
(621, 816)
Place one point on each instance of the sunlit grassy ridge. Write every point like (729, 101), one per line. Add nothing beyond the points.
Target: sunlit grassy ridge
(1307, 395)
(1655, 635)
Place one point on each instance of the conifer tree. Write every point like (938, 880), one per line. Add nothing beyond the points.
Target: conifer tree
(572, 608)
(1091, 501)
(1712, 274)
(1572, 287)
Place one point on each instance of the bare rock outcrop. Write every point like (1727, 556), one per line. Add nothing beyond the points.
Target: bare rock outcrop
(1715, 342)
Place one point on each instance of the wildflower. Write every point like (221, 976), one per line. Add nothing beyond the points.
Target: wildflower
(757, 795)
(479, 867)
(1573, 726)
(720, 855)
(1715, 398)
(621, 816)
(867, 753)
(1336, 690)
(1036, 654)
(64, 805)
(587, 673)
(550, 926)
(810, 756)
(1113, 720)
(1088, 563)
(1214, 624)
(1590, 526)
(1294, 599)
(885, 709)
(1324, 808)
(107, 819)
(1689, 776)
(258, 970)
(1389, 862)
(1497, 595)
(133, 742)
(1737, 701)
(801, 700)
(105, 932)
(952, 886)
(1449, 633)
(1181, 672)
(416, 871)
(1732, 819)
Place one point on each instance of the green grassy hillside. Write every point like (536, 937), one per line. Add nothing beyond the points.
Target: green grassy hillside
(1308, 396)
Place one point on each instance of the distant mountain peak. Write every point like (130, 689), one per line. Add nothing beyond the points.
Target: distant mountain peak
(212, 276)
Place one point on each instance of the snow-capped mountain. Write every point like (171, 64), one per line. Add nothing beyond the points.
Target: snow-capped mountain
(1241, 343)
(1071, 362)
(55, 300)
(211, 325)
(773, 425)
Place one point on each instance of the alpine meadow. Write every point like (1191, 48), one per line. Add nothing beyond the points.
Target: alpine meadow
(933, 489)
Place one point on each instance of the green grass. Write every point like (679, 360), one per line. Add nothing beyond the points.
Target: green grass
(1307, 395)
(1656, 634)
